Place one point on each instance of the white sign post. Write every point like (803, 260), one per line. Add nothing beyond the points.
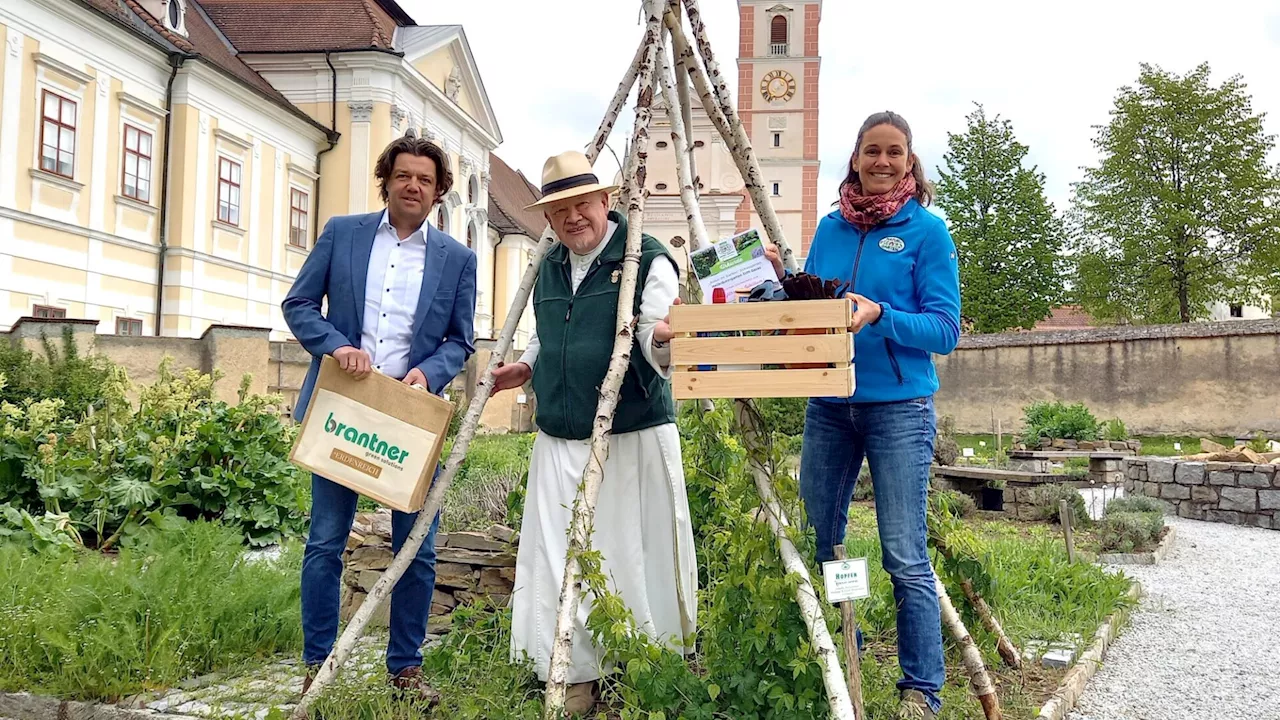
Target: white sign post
(846, 581)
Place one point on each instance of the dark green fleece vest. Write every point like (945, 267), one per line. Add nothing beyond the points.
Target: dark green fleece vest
(576, 332)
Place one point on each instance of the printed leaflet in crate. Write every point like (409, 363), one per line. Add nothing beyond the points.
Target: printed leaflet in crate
(811, 334)
(377, 436)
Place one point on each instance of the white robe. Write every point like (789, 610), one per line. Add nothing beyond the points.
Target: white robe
(642, 526)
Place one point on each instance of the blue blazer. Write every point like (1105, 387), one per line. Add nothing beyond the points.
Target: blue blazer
(338, 267)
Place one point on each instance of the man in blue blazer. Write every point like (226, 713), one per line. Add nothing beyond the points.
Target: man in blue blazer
(401, 301)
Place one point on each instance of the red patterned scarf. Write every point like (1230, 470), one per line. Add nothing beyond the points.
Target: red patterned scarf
(866, 211)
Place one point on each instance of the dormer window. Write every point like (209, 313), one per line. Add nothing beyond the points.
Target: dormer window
(174, 15)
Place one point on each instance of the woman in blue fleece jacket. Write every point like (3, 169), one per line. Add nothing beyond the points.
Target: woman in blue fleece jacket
(900, 264)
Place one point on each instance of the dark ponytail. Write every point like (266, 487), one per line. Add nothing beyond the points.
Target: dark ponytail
(924, 189)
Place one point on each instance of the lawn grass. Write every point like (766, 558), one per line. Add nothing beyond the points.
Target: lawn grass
(182, 603)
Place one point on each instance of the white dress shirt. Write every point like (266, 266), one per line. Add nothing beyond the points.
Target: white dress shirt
(661, 288)
(391, 296)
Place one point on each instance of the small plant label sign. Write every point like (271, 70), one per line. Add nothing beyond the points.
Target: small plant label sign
(968, 452)
(846, 580)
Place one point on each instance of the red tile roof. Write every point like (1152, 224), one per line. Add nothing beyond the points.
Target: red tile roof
(1066, 317)
(306, 25)
(509, 192)
(203, 41)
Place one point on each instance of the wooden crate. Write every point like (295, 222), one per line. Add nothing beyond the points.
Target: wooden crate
(813, 334)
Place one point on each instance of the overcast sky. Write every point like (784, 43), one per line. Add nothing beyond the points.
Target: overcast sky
(1051, 68)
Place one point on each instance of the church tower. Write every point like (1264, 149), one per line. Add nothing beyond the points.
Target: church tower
(778, 66)
(777, 96)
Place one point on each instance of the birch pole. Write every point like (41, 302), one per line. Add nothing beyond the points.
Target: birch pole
(682, 92)
(593, 474)
(979, 680)
(833, 677)
(688, 192)
(739, 142)
(381, 590)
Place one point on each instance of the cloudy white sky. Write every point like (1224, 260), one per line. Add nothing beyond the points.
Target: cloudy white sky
(1051, 68)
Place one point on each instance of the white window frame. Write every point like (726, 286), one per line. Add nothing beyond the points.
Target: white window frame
(776, 187)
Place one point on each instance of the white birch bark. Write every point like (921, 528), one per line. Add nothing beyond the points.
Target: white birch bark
(381, 590)
(593, 474)
(739, 143)
(681, 144)
(833, 677)
(979, 680)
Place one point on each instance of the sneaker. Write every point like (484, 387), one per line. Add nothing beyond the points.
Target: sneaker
(581, 698)
(913, 706)
(410, 685)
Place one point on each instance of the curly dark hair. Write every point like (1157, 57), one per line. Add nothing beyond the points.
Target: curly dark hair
(421, 148)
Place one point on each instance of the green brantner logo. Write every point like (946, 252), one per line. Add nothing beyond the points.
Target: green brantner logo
(365, 440)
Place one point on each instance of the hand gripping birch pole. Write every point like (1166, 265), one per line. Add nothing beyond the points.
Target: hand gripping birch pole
(466, 432)
(593, 474)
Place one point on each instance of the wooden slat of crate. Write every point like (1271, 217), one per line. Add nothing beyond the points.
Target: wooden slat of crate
(791, 315)
(824, 382)
(762, 350)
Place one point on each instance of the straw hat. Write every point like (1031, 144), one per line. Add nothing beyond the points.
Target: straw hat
(568, 175)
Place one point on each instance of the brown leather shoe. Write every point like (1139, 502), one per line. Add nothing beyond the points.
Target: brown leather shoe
(410, 685)
(581, 698)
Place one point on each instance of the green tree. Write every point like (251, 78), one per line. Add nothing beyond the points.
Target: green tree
(1183, 209)
(1006, 233)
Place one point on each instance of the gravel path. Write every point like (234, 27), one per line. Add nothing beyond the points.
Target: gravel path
(1205, 641)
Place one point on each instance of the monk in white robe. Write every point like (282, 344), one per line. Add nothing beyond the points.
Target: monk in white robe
(642, 526)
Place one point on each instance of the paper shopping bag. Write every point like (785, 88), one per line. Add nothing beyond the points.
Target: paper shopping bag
(376, 436)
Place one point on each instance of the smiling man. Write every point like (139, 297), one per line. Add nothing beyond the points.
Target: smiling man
(401, 301)
(642, 525)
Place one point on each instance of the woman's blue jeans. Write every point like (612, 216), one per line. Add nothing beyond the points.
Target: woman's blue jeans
(896, 438)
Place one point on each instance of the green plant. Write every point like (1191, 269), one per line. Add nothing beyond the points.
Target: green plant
(951, 503)
(1127, 532)
(1058, 420)
(180, 452)
(1114, 430)
(784, 416)
(1135, 504)
(864, 488)
(1047, 500)
(945, 448)
(1260, 443)
(77, 380)
(180, 602)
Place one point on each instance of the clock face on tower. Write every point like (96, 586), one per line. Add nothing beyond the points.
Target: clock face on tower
(778, 85)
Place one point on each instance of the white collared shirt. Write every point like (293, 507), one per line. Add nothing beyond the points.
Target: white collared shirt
(661, 288)
(391, 296)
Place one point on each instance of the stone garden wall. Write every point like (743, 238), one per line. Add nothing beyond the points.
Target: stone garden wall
(469, 565)
(1235, 493)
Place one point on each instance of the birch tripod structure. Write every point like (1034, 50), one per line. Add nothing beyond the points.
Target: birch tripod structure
(650, 69)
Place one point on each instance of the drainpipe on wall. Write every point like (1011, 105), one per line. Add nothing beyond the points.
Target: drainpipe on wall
(333, 142)
(175, 61)
(493, 295)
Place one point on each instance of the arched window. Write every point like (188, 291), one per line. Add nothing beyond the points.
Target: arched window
(473, 190)
(442, 219)
(471, 235)
(778, 35)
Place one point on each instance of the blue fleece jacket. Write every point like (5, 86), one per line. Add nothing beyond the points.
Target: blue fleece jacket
(908, 265)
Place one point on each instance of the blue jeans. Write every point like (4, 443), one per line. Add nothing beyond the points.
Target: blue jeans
(897, 440)
(333, 508)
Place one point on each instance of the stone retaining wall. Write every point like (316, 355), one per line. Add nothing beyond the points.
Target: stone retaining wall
(469, 565)
(1235, 493)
